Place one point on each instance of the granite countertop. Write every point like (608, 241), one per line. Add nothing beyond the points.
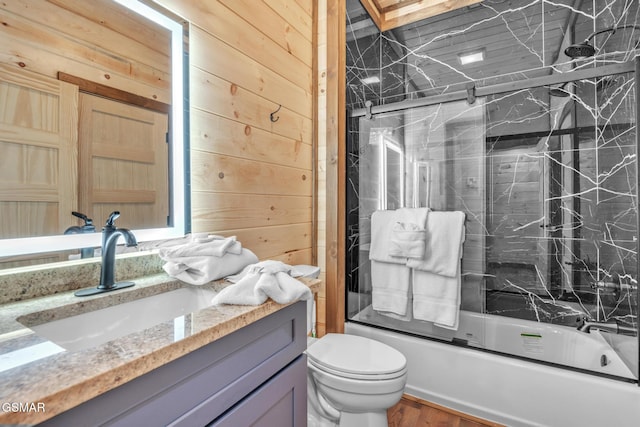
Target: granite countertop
(61, 379)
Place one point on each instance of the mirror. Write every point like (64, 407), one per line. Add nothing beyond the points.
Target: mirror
(67, 51)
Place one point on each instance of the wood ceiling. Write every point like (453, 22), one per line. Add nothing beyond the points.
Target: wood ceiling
(389, 14)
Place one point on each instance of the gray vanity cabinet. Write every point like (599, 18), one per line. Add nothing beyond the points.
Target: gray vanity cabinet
(254, 376)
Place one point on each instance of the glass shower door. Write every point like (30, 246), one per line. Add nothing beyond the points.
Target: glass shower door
(549, 190)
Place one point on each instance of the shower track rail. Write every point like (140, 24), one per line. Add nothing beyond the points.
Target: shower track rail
(551, 80)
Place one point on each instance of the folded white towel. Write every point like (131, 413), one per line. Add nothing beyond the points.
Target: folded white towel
(407, 241)
(436, 279)
(283, 289)
(436, 298)
(391, 293)
(198, 270)
(445, 235)
(256, 283)
(210, 245)
(381, 227)
(178, 241)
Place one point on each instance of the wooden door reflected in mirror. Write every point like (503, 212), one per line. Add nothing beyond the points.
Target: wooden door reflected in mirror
(123, 157)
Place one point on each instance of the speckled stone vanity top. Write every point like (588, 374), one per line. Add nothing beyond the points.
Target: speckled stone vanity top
(60, 381)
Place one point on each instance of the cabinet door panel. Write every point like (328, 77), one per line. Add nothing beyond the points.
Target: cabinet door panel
(281, 401)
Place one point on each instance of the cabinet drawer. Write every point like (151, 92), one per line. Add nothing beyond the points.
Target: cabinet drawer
(281, 401)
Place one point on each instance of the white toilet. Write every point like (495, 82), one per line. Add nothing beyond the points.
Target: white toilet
(352, 381)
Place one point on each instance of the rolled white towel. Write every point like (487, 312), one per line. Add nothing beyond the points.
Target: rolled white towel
(261, 281)
(284, 288)
(268, 266)
(242, 292)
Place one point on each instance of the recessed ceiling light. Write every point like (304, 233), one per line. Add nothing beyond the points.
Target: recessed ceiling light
(370, 80)
(471, 57)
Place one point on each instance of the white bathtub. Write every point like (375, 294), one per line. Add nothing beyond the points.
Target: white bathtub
(516, 392)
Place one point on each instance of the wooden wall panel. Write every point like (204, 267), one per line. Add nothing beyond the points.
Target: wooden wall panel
(215, 211)
(37, 35)
(217, 57)
(269, 22)
(114, 18)
(268, 242)
(335, 127)
(253, 178)
(321, 163)
(296, 14)
(295, 257)
(215, 134)
(238, 32)
(212, 172)
(222, 97)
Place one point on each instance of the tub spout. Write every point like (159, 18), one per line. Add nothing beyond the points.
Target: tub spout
(612, 327)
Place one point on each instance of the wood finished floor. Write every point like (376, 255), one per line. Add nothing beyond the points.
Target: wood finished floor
(414, 412)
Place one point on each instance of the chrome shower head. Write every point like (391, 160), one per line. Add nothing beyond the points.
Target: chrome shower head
(586, 49)
(580, 50)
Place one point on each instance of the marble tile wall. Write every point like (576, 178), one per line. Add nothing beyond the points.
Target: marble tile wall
(519, 39)
(548, 182)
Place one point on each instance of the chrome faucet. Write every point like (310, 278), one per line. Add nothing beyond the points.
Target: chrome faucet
(110, 235)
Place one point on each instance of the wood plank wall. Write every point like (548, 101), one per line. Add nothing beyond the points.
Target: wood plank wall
(321, 161)
(334, 166)
(251, 177)
(105, 44)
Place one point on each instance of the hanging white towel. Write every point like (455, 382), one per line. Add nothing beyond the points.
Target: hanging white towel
(443, 250)
(267, 279)
(436, 279)
(436, 298)
(417, 216)
(389, 276)
(381, 231)
(391, 290)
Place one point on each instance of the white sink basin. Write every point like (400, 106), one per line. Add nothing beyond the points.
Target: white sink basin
(97, 327)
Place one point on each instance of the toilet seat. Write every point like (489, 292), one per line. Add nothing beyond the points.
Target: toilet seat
(355, 357)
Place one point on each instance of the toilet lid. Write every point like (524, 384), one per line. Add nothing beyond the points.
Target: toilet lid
(351, 354)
